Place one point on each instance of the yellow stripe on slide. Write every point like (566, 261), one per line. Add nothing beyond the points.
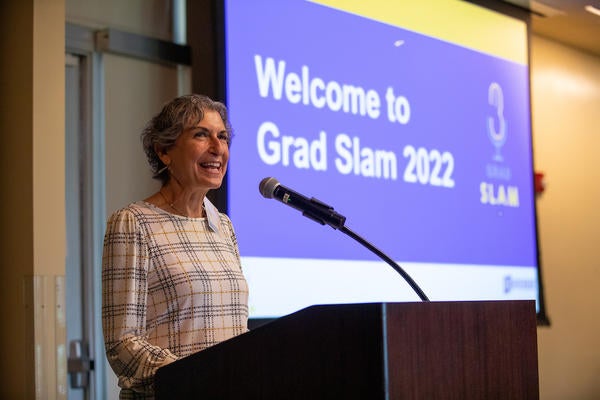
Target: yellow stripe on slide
(455, 21)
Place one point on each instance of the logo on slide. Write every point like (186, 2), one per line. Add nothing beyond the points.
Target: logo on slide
(511, 284)
(496, 125)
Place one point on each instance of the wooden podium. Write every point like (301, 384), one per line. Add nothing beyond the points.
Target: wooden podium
(430, 350)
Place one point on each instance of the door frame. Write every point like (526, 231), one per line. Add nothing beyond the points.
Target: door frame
(80, 43)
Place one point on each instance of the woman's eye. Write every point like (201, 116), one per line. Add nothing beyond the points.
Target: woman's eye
(201, 134)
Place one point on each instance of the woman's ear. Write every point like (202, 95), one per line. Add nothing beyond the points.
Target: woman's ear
(162, 154)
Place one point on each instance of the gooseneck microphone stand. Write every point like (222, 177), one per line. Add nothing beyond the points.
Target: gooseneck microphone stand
(388, 260)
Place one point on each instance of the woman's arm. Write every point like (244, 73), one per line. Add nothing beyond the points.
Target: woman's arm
(124, 294)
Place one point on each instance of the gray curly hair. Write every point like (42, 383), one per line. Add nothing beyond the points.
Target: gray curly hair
(165, 127)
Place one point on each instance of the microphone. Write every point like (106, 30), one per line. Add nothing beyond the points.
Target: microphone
(311, 208)
(318, 211)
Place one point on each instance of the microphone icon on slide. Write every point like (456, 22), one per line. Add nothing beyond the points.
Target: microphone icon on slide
(497, 137)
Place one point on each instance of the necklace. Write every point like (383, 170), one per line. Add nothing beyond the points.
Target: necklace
(170, 204)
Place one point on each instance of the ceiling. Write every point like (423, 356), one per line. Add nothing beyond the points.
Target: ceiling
(565, 21)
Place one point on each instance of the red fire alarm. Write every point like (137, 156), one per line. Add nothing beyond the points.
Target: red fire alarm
(539, 183)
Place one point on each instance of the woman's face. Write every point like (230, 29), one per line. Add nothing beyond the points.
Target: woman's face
(198, 159)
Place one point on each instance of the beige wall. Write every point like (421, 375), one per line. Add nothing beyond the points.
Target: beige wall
(566, 126)
(32, 170)
(16, 211)
(49, 137)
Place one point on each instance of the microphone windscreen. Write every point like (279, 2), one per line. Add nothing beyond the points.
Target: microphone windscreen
(267, 187)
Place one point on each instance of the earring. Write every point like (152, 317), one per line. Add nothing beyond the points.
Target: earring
(160, 171)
